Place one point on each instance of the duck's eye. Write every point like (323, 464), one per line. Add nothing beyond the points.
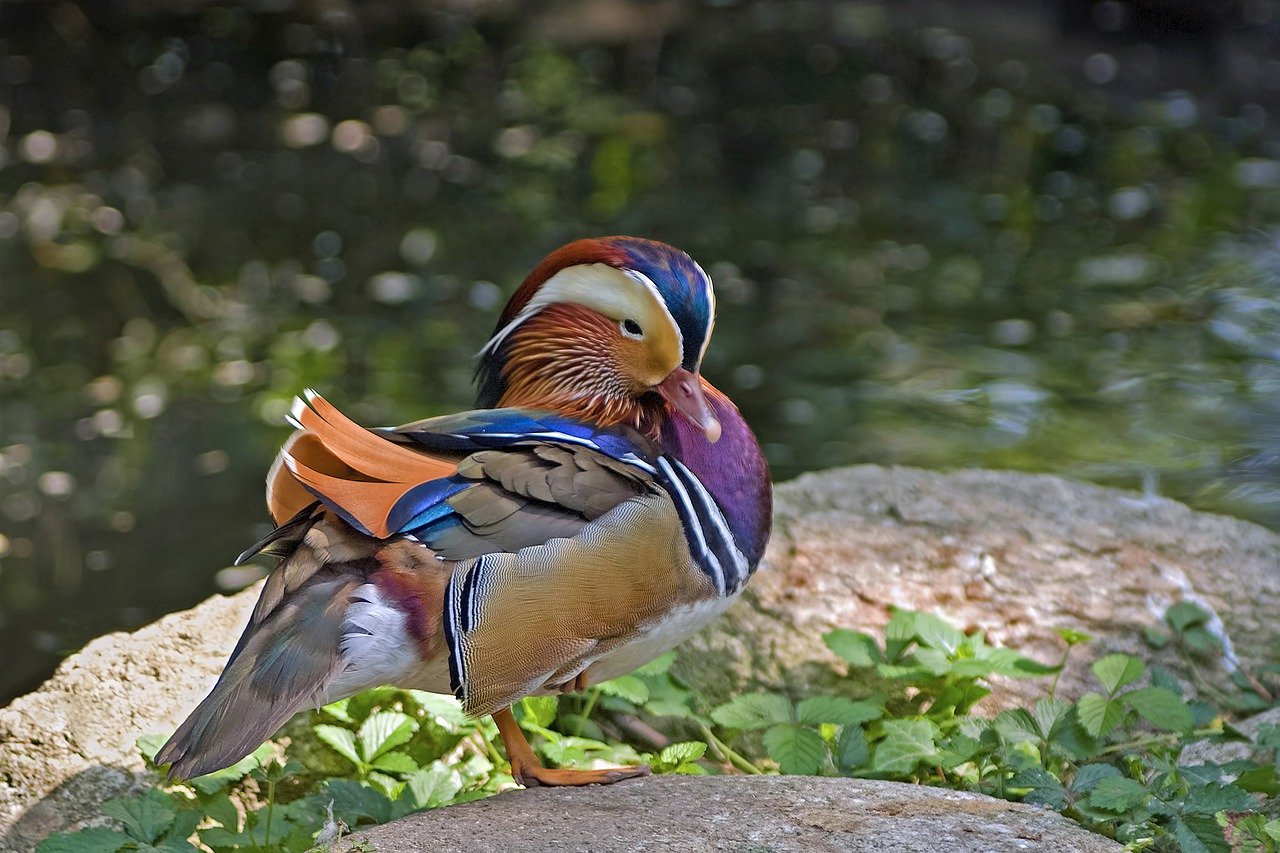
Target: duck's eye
(632, 329)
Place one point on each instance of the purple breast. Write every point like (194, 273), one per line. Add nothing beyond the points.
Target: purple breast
(733, 470)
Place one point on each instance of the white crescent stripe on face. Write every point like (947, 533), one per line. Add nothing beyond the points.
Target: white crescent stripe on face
(657, 297)
(608, 290)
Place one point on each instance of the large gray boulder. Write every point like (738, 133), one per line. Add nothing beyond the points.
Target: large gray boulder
(693, 814)
(1017, 555)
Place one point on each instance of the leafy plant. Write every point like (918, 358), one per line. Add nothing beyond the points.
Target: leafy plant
(1112, 760)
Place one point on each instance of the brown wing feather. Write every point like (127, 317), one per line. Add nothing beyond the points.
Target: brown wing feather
(526, 496)
(286, 655)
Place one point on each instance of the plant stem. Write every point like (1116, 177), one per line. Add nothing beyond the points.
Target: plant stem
(592, 696)
(490, 749)
(734, 758)
(1154, 739)
(271, 804)
(1062, 664)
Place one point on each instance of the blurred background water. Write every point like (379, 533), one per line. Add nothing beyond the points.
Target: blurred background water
(1033, 235)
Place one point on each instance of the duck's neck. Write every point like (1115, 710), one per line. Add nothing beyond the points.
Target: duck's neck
(733, 470)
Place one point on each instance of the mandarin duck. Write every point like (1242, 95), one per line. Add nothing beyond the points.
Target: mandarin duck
(602, 503)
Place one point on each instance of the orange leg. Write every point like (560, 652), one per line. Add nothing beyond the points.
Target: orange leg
(528, 771)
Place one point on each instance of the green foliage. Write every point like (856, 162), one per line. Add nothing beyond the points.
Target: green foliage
(1111, 760)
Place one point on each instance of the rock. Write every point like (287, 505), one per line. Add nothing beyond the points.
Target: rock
(72, 744)
(1016, 555)
(741, 813)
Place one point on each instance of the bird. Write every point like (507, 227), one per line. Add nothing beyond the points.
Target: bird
(601, 503)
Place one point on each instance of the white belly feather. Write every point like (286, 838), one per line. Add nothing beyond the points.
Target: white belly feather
(657, 637)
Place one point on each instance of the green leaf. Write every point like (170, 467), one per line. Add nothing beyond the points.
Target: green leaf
(797, 749)
(212, 783)
(1117, 794)
(339, 710)
(539, 710)
(169, 845)
(1211, 799)
(753, 711)
(220, 838)
(906, 743)
(148, 745)
(1073, 637)
(837, 710)
(852, 751)
(395, 762)
(1202, 640)
(1196, 834)
(1249, 832)
(1048, 713)
(934, 661)
(353, 801)
(1098, 714)
(581, 725)
(145, 817)
(95, 840)
(1088, 777)
(678, 754)
(1186, 839)
(899, 633)
(433, 786)
(1015, 725)
(1044, 789)
(1260, 780)
(1160, 707)
(956, 750)
(383, 731)
(223, 810)
(1003, 661)
(1184, 615)
(627, 687)
(185, 823)
(936, 633)
(445, 710)
(854, 647)
(1116, 670)
(343, 741)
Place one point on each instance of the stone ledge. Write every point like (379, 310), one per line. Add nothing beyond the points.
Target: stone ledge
(761, 814)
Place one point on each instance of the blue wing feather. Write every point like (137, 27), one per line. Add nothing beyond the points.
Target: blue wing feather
(497, 428)
(424, 511)
(426, 500)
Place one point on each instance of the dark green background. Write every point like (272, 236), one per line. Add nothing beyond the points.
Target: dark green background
(934, 244)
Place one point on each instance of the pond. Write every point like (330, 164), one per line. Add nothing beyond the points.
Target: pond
(931, 249)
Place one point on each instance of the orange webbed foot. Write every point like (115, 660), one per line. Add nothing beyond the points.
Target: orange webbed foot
(533, 775)
(529, 772)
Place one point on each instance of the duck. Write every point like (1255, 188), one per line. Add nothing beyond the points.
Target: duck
(602, 503)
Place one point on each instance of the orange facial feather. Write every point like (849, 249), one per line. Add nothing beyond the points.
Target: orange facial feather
(570, 359)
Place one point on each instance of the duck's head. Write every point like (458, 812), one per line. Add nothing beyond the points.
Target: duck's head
(611, 330)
